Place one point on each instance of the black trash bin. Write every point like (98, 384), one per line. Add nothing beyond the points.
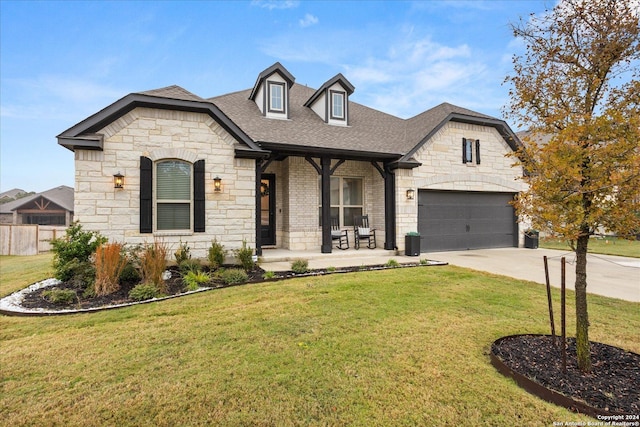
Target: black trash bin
(531, 238)
(412, 244)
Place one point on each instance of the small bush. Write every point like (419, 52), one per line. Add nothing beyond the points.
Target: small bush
(182, 254)
(77, 245)
(190, 265)
(144, 291)
(109, 263)
(300, 266)
(331, 269)
(234, 276)
(60, 296)
(424, 261)
(82, 273)
(392, 263)
(193, 280)
(269, 275)
(129, 273)
(153, 263)
(217, 254)
(245, 256)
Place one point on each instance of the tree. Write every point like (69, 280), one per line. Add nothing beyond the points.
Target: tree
(578, 83)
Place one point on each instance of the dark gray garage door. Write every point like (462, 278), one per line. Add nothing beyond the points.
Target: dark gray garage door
(454, 220)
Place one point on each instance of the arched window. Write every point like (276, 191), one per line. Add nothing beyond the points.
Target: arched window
(172, 195)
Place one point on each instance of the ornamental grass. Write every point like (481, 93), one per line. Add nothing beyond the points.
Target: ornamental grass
(109, 264)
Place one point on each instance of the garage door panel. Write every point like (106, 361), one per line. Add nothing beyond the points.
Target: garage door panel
(452, 220)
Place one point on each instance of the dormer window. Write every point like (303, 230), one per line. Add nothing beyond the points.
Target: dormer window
(276, 97)
(271, 92)
(331, 101)
(337, 105)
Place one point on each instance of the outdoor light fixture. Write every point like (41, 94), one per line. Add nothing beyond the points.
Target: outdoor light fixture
(118, 180)
(411, 193)
(217, 184)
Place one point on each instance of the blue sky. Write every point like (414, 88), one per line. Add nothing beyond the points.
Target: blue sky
(63, 61)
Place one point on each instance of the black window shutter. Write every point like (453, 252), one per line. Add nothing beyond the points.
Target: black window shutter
(464, 150)
(477, 151)
(146, 195)
(198, 197)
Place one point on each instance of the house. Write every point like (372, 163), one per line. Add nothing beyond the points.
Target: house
(51, 207)
(267, 164)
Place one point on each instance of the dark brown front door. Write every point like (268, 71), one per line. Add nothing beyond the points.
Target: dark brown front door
(268, 209)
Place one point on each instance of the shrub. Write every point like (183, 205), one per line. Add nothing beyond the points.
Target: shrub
(190, 265)
(194, 279)
(269, 275)
(392, 263)
(245, 256)
(60, 296)
(129, 273)
(331, 269)
(144, 291)
(81, 274)
(300, 266)
(77, 245)
(182, 254)
(424, 261)
(217, 254)
(234, 276)
(109, 263)
(153, 263)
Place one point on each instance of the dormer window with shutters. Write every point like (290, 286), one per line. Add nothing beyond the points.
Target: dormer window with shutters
(331, 101)
(271, 92)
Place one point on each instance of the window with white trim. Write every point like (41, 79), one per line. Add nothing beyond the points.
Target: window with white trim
(173, 195)
(276, 97)
(337, 105)
(347, 199)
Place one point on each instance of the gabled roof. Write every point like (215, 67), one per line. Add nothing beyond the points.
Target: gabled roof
(12, 193)
(275, 68)
(370, 135)
(83, 135)
(338, 78)
(61, 196)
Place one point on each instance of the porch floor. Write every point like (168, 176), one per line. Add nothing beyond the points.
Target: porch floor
(280, 259)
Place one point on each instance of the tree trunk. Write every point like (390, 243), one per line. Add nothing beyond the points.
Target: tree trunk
(582, 318)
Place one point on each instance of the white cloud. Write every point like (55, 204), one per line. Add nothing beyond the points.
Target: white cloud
(275, 4)
(308, 20)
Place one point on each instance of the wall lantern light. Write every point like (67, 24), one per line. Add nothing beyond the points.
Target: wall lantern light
(217, 184)
(411, 194)
(118, 180)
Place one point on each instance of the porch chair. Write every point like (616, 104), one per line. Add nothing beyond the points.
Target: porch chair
(363, 231)
(338, 234)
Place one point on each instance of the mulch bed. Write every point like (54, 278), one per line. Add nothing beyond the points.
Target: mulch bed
(612, 386)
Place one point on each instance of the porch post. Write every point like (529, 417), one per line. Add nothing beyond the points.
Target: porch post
(325, 163)
(258, 208)
(389, 209)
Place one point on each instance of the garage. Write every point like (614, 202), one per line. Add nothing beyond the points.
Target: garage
(456, 220)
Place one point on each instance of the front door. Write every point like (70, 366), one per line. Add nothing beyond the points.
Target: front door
(268, 209)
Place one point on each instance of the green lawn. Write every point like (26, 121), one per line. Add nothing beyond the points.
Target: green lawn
(606, 246)
(394, 347)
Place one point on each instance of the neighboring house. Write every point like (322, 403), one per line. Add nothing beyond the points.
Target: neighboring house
(267, 164)
(11, 195)
(51, 207)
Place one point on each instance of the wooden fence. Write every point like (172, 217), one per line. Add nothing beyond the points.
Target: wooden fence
(27, 239)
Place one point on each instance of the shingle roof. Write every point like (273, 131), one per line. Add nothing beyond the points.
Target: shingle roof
(369, 130)
(173, 92)
(61, 196)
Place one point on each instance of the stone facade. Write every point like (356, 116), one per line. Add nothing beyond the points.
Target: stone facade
(442, 169)
(165, 134)
(298, 201)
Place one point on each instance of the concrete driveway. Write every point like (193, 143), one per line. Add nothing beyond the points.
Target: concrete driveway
(611, 276)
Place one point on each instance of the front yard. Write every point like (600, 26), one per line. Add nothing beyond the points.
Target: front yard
(393, 347)
(599, 245)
